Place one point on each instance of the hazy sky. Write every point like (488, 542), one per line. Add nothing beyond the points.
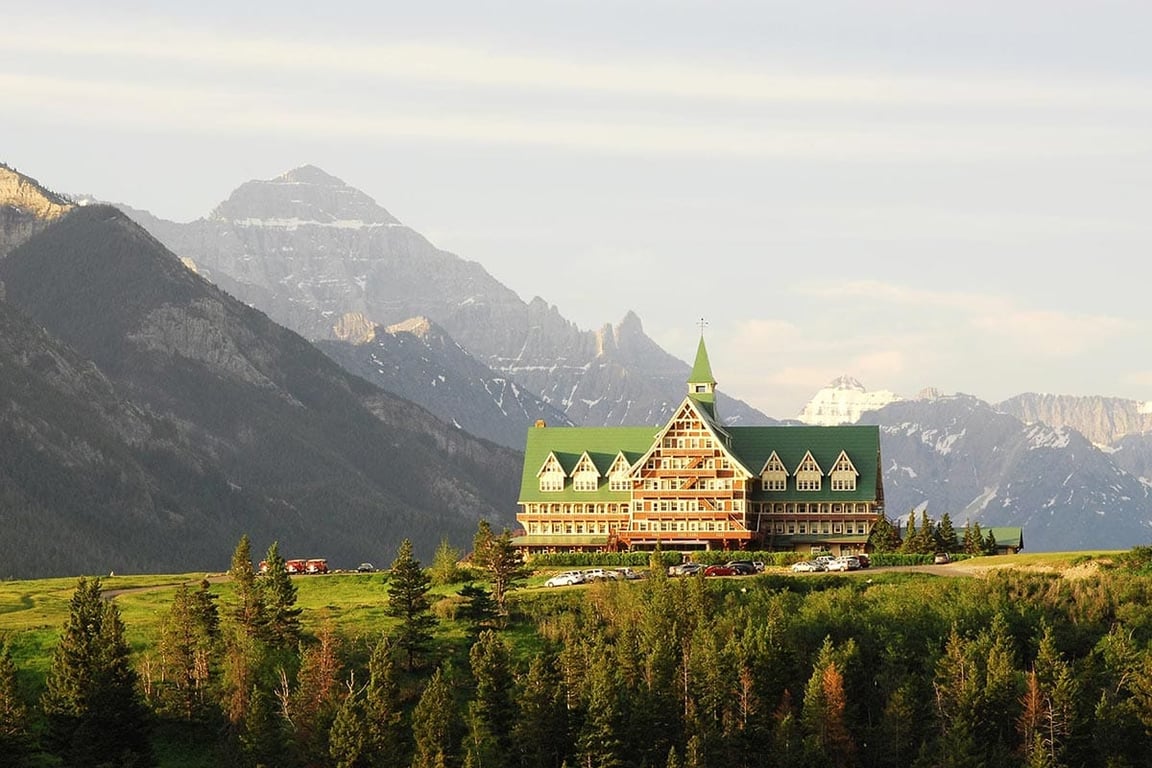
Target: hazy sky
(949, 194)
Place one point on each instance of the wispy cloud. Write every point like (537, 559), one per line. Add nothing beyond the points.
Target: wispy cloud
(436, 62)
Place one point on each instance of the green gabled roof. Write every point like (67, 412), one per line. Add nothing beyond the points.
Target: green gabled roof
(569, 444)
(754, 445)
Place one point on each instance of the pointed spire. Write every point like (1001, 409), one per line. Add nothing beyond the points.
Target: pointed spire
(702, 368)
(701, 383)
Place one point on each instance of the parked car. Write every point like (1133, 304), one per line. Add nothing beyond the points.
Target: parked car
(720, 570)
(628, 573)
(365, 568)
(863, 558)
(941, 558)
(565, 579)
(846, 563)
(807, 566)
(685, 569)
(824, 560)
(742, 567)
(759, 564)
(599, 574)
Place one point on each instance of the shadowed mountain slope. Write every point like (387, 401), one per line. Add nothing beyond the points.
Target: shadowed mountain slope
(238, 425)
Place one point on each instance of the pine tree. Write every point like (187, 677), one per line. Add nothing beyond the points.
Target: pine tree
(316, 698)
(501, 560)
(383, 714)
(189, 649)
(94, 713)
(911, 539)
(946, 534)
(598, 743)
(434, 723)
(408, 601)
(249, 611)
(541, 728)
(990, 543)
(884, 536)
(281, 616)
(15, 739)
(479, 610)
(347, 740)
(262, 738)
(492, 674)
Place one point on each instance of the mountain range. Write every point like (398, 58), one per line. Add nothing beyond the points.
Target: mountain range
(308, 250)
(147, 405)
(150, 419)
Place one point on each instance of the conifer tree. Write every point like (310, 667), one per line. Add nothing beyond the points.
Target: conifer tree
(503, 563)
(15, 739)
(492, 674)
(383, 714)
(94, 713)
(408, 601)
(884, 536)
(990, 543)
(189, 649)
(248, 612)
(281, 617)
(347, 740)
(911, 539)
(434, 724)
(316, 698)
(946, 534)
(479, 610)
(541, 727)
(598, 744)
(262, 738)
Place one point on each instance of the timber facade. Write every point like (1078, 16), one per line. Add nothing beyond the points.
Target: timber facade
(695, 483)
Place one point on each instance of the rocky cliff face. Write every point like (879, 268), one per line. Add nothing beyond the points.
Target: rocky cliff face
(25, 208)
(418, 361)
(308, 250)
(1103, 420)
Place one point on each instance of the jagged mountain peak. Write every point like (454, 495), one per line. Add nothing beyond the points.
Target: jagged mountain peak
(843, 401)
(419, 326)
(303, 196)
(26, 207)
(846, 382)
(310, 174)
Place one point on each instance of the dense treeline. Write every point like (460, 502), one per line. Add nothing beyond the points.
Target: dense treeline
(1015, 669)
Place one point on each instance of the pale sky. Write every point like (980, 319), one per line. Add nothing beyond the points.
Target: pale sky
(921, 193)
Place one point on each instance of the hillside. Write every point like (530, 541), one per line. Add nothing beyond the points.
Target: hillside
(237, 424)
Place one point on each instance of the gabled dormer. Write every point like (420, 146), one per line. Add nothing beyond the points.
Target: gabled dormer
(551, 474)
(620, 474)
(774, 475)
(809, 476)
(585, 476)
(844, 474)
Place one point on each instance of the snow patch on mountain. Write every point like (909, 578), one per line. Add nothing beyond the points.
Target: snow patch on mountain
(842, 402)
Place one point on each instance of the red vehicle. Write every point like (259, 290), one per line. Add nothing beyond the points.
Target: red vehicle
(720, 570)
(316, 565)
(295, 566)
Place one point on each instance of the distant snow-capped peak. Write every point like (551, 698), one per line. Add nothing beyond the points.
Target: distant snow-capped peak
(842, 402)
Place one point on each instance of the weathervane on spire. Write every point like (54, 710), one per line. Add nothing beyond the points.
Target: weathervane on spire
(703, 324)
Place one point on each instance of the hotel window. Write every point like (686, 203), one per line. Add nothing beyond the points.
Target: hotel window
(844, 474)
(808, 474)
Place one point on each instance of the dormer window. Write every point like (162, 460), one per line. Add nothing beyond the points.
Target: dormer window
(585, 476)
(774, 477)
(620, 474)
(808, 475)
(844, 474)
(552, 474)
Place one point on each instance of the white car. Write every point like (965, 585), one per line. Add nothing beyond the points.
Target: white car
(806, 566)
(566, 579)
(847, 563)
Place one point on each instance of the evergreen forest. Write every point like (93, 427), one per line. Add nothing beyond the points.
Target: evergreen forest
(473, 665)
